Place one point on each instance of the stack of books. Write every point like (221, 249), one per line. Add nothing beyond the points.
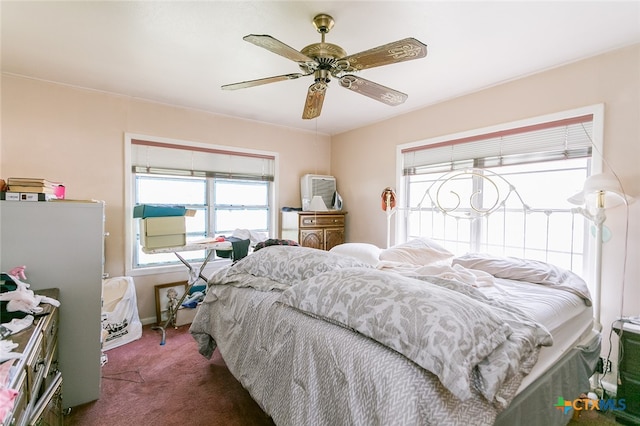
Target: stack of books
(33, 189)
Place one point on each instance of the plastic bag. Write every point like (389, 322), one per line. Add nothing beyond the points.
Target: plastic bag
(120, 321)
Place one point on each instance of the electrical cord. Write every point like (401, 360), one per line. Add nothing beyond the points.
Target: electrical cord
(605, 370)
(137, 376)
(622, 321)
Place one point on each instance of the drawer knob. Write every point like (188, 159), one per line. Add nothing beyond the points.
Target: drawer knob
(40, 363)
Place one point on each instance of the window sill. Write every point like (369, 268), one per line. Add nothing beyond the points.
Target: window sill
(211, 267)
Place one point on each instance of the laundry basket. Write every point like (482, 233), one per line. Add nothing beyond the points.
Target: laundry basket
(120, 321)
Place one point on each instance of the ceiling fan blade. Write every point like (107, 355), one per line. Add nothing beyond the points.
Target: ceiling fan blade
(260, 81)
(278, 47)
(398, 51)
(315, 99)
(373, 90)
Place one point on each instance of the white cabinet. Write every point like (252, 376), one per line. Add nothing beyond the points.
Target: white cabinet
(62, 246)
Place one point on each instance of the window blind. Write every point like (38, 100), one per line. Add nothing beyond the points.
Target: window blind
(179, 160)
(568, 138)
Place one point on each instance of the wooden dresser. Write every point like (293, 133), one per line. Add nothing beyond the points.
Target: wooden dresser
(35, 375)
(321, 230)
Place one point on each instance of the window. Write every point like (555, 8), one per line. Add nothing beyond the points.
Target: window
(227, 189)
(545, 162)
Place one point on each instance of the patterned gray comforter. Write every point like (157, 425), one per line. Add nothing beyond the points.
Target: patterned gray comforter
(321, 339)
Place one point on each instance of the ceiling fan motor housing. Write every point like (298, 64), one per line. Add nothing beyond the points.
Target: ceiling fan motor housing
(325, 56)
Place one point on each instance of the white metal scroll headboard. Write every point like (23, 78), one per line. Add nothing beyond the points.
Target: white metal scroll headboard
(477, 210)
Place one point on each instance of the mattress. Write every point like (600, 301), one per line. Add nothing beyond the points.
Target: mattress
(563, 314)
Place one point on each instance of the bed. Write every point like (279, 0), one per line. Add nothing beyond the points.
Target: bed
(406, 335)
(354, 360)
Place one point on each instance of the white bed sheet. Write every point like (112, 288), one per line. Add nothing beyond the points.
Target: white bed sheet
(565, 315)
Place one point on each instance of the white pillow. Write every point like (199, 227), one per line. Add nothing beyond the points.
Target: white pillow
(419, 251)
(364, 252)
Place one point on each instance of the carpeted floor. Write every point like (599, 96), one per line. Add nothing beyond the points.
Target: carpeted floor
(144, 383)
(593, 418)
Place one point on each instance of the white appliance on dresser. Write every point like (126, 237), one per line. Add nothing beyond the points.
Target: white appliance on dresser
(62, 246)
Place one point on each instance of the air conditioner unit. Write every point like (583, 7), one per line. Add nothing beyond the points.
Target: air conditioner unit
(317, 185)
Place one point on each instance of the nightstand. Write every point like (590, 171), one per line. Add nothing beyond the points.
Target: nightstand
(628, 372)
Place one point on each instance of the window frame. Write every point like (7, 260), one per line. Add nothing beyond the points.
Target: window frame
(597, 111)
(129, 225)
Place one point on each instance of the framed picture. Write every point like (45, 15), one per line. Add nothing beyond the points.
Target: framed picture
(167, 297)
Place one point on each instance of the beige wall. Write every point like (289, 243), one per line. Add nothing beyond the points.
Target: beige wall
(612, 79)
(76, 136)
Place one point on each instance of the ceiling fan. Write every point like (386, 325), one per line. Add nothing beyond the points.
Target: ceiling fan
(326, 60)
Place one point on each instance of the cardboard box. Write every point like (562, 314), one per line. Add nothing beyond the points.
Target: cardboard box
(163, 241)
(143, 211)
(160, 232)
(163, 225)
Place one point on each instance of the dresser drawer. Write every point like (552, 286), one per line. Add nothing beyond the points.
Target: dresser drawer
(629, 390)
(20, 403)
(50, 331)
(51, 366)
(322, 221)
(48, 409)
(35, 367)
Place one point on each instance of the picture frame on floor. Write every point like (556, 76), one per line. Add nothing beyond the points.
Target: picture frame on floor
(167, 297)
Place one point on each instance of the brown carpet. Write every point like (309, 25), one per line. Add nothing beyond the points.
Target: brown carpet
(593, 418)
(144, 383)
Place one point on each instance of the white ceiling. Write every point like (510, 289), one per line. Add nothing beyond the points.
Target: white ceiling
(181, 52)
